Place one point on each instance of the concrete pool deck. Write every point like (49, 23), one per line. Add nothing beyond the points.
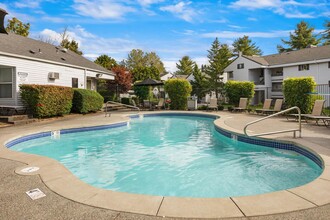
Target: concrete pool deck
(312, 199)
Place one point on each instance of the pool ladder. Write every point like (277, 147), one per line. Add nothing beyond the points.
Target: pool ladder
(277, 132)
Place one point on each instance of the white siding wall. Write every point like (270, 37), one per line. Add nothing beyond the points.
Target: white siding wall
(38, 74)
(320, 72)
(242, 74)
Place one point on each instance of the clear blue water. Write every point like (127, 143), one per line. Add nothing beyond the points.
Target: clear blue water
(174, 156)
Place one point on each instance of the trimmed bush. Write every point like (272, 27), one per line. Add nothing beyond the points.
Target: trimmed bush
(85, 101)
(126, 101)
(178, 91)
(238, 89)
(296, 92)
(142, 92)
(47, 100)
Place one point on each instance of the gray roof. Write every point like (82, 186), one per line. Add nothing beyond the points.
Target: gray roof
(297, 56)
(24, 46)
(181, 76)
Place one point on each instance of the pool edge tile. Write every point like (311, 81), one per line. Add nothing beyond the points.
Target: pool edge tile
(199, 208)
(271, 203)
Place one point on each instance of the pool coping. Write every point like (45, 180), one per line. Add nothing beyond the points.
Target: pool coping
(62, 181)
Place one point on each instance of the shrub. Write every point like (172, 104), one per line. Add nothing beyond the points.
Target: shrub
(202, 107)
(296, 92)
(221, 107)
(178, 91)
(85, 101)
(126, 101)
(237, 89)
(47, 100)
(142, 92)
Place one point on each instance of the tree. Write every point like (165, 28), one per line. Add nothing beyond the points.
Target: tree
(245, 45)
(17, 27)
(300, 39)
(106, 61)
(185, 66)
(144, 72)
(199, 84)
(122, 82)
(137, 58)
(326, 34)
(69, 44)
(219, 58)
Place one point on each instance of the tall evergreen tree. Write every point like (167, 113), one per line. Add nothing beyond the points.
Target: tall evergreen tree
(18, 27)
(326, 34)
(300, 39)
(245, 45)
(199, 84)
(185, 66)
(219, 58)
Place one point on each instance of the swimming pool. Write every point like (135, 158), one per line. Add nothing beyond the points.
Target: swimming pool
(180, 156)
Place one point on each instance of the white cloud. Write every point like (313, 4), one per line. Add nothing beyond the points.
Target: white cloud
(27, 4)
(181, 10)
(92, 45)
(252, 19)
(146, 3)
(288, 9)
(233, 34)
(102, 8)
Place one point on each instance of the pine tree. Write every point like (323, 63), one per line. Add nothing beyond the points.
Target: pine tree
(199, 84)
(245, 45)
(185, 66)
(326, 33)
(219, 58)
(300, 39)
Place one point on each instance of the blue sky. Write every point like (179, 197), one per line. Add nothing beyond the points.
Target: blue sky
(172, 29)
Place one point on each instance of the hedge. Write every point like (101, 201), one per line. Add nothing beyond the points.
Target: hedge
(142, 92)
(296, 93)
(47, 100)
(238, 89)
(85, 101)
(178, 91)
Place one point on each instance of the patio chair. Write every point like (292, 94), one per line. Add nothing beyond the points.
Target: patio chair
(266, 106)
(277, 107)
(160, 104)
(316, 113)
(213, 104)
(242, 105)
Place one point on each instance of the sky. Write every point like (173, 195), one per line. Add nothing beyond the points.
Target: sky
(172, 29)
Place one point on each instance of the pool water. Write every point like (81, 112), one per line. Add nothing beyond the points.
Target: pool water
(180, 156)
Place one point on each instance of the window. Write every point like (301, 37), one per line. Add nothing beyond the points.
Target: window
(303, 67)
(240, 66)
(6, 82)
(230, 75)
(277, 73)
(277, 87)
(74, 82)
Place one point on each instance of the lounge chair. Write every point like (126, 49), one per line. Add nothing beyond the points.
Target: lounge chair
(160, 103)
(277, 107)
(266, 106)
(242, 105)
(213, 104)
(316, 113)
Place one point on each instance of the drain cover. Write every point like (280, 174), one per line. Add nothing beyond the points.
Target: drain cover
(35, 194)
(29, 169)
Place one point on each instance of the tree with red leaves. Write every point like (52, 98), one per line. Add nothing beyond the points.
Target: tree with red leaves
(122, 82)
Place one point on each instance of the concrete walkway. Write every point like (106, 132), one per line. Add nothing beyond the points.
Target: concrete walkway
(14, 203)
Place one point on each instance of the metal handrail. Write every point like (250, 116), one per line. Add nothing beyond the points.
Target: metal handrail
(118, 103)
(276, 132)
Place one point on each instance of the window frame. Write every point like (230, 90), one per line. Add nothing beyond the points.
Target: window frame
(303, 67)
(240, 66)
(9, 83)
(73, 83)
